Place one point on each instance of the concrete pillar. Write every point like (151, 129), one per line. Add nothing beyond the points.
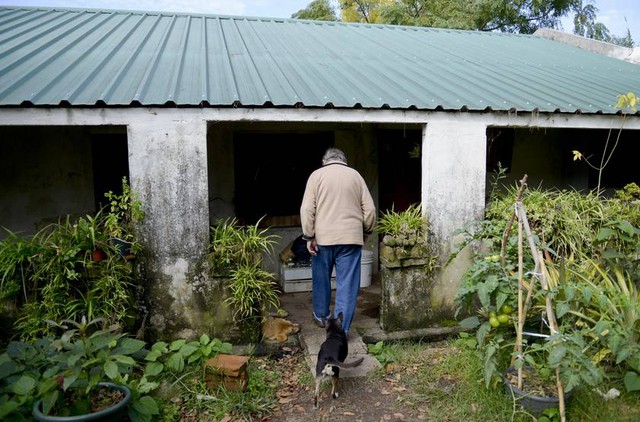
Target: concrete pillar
(168, 167)
(453, 193)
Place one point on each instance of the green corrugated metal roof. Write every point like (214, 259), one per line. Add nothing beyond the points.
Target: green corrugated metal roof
(71, 57)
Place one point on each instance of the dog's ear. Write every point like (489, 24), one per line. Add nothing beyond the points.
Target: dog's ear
(340, 317)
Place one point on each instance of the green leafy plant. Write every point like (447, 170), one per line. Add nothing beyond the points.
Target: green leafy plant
(54, 275)
(406, 235)
(236, 251)
(569, 227)
(252, 289)
(406, 228)
(603, 305)
(16, 265)
(383, 353)
(233, 245)
(123, 212)
(65, 372)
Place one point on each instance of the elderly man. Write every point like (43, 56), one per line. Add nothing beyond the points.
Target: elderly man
(337, 213)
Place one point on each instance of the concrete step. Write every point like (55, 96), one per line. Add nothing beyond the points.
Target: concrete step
(312, 337)
(298, 305)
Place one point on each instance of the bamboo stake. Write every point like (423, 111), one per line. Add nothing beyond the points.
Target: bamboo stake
(525, 307)
(539, 271)
(553, 326)
(521, 313)
(507, 231)
(553, 323)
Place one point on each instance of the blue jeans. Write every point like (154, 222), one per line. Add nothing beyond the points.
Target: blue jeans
(346, 260)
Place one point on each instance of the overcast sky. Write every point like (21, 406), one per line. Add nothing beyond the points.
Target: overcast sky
(611, 12)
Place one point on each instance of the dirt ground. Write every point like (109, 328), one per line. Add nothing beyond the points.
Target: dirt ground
(373, 398)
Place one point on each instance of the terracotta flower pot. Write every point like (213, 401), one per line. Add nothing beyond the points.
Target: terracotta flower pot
(98, 255)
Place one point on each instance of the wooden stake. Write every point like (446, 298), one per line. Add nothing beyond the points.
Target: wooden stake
(507, 232)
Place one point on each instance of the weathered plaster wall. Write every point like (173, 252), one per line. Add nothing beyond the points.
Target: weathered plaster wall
(168, 167)
(454, 162)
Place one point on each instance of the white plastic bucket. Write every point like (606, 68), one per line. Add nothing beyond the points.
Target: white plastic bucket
(366, 266)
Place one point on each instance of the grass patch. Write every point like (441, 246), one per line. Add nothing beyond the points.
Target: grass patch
(191, 400)
(444, 382)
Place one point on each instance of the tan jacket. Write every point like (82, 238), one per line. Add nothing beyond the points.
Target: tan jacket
(337, 208)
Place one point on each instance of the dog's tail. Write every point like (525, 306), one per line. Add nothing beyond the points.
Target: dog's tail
(351, 364)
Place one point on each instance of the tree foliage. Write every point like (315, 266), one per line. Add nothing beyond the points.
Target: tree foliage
(585, 24)
(516, 16)
(523, 16)
(319, 10)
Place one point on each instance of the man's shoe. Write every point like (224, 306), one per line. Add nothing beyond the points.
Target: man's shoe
(320, 322)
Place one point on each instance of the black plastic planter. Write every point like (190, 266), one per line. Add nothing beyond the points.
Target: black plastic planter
(117, 412)
(533, 404)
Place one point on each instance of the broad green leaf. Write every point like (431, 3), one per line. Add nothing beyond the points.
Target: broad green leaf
(562, 308)
(189, 348)
(24, 386)
(127, 360)
(146, 406)
(606, 233)
(471, 322)
(153, 355)
(632, 381)
(48, 401)
(153, 368)
(177, 344)
(128, 346)
(7, 408)
(626, 227)
(176, 362)
(160, 346)
(111, 369)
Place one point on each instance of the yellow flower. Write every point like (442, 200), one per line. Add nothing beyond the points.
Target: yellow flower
(577, 155)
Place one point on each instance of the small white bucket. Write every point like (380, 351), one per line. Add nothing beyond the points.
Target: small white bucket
(366, 266)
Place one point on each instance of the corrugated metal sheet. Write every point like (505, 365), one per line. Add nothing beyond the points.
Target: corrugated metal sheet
(71, 57)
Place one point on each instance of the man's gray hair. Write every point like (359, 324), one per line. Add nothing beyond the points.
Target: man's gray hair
(333, 154)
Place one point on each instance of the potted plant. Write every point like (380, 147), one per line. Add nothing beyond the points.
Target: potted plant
(124, 211)
(536, 387)
(243, 287)
(407, 268)
(79, 375)
(405, 238)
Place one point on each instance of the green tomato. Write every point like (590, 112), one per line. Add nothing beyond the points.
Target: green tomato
(502, 318)
(493, 321)
(506, 309)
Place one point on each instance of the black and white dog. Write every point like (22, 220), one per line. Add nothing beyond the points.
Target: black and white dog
(331, 357)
